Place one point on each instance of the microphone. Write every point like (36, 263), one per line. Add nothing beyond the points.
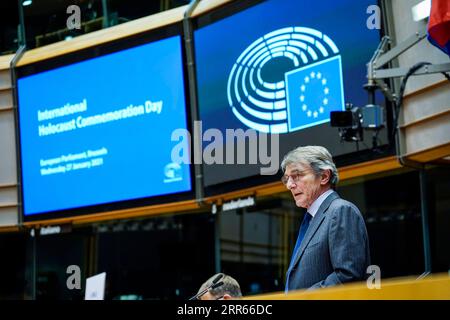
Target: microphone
(214, 284)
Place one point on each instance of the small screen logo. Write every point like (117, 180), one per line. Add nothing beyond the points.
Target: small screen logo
(287, 80)
(172, 172)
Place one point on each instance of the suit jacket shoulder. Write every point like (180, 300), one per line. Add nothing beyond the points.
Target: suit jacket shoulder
(339, 207)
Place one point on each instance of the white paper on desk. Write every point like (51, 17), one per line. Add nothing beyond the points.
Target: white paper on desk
(95, 287)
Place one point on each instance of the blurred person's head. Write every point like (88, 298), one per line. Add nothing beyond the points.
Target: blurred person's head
(230, 289)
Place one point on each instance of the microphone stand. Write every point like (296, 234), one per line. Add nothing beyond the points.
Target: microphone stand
(215, 284)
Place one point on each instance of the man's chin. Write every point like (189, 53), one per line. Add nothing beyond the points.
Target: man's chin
(300, 204)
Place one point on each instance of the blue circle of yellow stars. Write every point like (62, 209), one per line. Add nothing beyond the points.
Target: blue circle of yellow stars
(310, 110)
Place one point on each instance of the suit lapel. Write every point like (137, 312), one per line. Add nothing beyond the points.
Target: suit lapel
(315, 224)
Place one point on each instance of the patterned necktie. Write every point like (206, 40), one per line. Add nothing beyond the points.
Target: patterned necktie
(303, 228)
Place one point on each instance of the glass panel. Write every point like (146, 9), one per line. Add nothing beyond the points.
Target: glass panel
(439, 182)
(12, 268)
(391, 208)
(9, 22)
(156, 259)
(54, 254)
(256, 243)
(49, 21)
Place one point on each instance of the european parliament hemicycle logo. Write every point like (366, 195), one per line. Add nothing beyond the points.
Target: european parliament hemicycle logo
(287, 80)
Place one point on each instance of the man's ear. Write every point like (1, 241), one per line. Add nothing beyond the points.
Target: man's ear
(325, 177)
(226, 296)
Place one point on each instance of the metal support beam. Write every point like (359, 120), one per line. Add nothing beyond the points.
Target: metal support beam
(400, 48)
(12, 69)
(386, 90)
(192, 82)
(106, 22)
(22, 40)
(217, 243)
(400, 72)
(425, 221)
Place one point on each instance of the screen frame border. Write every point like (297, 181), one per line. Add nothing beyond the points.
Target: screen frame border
(388, 149)
(117, 45)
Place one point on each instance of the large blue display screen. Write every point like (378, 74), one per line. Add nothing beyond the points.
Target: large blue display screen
(281, 67)
(99, 131)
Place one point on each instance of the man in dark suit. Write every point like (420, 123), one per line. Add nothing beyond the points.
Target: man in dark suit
(332, 245)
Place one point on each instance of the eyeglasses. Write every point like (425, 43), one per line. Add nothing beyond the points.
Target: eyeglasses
(295, 177)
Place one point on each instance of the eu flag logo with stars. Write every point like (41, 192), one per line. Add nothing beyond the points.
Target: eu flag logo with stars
(313, 92)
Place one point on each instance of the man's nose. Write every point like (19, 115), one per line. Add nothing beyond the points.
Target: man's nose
(290, 184)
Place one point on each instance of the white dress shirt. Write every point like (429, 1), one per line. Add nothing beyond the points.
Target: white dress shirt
(312, 210)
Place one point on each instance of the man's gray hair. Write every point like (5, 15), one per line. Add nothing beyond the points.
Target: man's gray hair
(317, 157)
(230, 286)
